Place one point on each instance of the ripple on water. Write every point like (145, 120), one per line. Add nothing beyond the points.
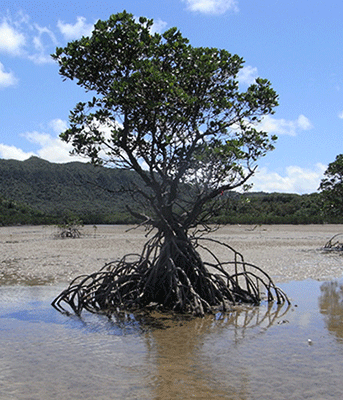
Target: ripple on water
(251, 353)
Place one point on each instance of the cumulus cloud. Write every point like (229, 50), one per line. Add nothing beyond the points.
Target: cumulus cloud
(212, 6)
(247, 75)
(12, 41)
(13, 153)
(46, 145)
(6, 78)
(20, 37)
(58, 125)
(159, 26)
(285, 127)
(340, 115)
(50, 147)
(57, 151)
(77, 30)
(303, 123)
(294, 179)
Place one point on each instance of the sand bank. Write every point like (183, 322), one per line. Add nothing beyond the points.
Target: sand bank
(33, 254)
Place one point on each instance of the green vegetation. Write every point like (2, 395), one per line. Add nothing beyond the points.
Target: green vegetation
(275, 208)
(175, 116)
(36, 191)
(39, 192)
(170, 112)
(14, 213)
(332, 188)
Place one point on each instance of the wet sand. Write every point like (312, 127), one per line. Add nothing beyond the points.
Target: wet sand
(269, 352)
(32, 255)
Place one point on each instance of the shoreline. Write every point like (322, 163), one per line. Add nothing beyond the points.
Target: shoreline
(32, 255)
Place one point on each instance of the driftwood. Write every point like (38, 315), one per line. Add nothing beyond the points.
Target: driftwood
(334, 244)
(171, 276)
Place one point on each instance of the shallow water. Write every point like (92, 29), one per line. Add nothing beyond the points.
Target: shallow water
(253, 353)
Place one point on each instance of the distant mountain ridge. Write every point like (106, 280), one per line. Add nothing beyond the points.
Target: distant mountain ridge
(36, 191)
(71, 188)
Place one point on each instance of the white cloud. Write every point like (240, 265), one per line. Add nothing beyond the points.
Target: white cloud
(247, 75)
(6, 78)
(20, 37)
(11, 40)
(303, 123)
(76, 31)
(51, 148)
(212, 6)
(57, 151)
(294, 180)
(42, 41)
(47, 146)
(13, 153)
(38, 39)
(42, 139)
(340, 115)
(58, 125)
(40, 58)
(284, 127)
(159, 26)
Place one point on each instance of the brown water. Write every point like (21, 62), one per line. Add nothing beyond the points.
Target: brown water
(253, 353)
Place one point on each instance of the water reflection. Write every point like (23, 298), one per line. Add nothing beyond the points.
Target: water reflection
(180, 370)
(250, 353)
(331, 306)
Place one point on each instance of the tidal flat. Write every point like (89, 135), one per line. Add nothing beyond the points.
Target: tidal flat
(265, 352)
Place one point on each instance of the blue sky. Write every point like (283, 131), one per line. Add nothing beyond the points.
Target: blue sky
(297, 45)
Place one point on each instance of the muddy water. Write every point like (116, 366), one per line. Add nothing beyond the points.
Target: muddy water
(253, 353)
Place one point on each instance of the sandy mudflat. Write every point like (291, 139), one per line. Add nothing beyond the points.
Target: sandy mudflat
(33, 254)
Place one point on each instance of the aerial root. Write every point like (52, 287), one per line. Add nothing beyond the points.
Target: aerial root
(170, 276)
(334, 244)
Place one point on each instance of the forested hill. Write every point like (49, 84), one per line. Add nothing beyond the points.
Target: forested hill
(36, 191)
(45, 191)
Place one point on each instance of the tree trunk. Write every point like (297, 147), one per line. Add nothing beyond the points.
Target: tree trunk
(169, 275)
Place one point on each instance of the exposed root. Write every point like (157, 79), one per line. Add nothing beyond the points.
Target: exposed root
(71, 232)
(334, 244)
(170, 275)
